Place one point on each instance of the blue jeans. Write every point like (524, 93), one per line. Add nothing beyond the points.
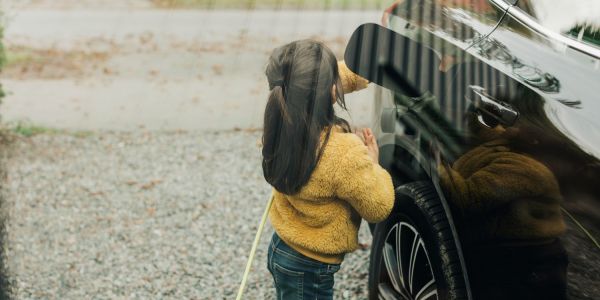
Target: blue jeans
(297, 276)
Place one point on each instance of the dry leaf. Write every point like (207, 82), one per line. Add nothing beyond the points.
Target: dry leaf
(150, 184)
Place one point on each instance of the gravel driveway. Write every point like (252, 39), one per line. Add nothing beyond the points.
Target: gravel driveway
(143, 216)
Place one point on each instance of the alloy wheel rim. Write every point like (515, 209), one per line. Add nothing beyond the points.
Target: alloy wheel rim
(406, 271)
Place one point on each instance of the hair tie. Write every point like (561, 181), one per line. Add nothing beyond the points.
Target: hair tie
(275, 83)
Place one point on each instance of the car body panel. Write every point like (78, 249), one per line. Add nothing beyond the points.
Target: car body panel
(453, 72)
(563, 73)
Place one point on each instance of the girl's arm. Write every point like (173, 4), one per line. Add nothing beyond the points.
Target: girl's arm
(350, 81)
(364, 184)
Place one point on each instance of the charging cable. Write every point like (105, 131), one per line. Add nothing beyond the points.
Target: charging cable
(253, 251)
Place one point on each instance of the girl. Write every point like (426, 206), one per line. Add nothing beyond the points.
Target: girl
(325, 178)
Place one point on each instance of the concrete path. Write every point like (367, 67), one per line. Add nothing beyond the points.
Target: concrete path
(156, 69)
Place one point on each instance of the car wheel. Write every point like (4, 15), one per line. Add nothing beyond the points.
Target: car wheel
(414, 255)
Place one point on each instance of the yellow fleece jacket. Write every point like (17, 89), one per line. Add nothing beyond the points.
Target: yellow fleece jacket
(350, 81)
(321, 221)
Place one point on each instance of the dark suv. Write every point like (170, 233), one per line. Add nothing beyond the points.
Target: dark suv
(489, 123)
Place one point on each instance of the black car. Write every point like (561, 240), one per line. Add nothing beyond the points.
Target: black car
(489, 123)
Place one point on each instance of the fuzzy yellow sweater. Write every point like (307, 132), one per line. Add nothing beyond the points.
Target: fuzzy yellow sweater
(350, 81)
(321, 221)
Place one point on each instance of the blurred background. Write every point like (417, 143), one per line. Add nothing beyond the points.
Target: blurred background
(131, 163)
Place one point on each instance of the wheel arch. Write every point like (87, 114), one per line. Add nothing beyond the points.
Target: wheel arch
(427, 167)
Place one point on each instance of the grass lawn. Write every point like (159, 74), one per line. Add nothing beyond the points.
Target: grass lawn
(28, 130)
(275, 4)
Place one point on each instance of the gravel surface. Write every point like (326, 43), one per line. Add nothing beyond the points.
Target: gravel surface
(143, 216)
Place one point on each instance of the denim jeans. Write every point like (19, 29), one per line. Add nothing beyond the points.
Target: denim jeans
(297, 276)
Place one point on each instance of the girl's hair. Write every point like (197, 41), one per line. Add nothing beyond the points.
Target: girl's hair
(300, 107)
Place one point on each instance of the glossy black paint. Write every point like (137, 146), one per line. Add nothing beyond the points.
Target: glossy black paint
(449, 73)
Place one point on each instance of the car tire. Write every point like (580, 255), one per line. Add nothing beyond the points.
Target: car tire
(419, 233)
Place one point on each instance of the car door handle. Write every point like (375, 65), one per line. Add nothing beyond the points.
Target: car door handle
(491, 112)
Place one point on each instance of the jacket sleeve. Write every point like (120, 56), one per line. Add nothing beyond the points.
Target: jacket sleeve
(351, 82)
(364, 184)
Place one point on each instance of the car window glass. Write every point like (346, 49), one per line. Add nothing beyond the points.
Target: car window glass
(580, 32)
(526, 7)
(586, 34)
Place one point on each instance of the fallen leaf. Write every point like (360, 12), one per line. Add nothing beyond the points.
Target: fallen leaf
(364, 246)
(217, 69)
(151, 211)
(150, 184)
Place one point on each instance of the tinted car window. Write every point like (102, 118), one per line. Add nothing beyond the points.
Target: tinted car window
(525, 6)
(586, 34)
(582, 32)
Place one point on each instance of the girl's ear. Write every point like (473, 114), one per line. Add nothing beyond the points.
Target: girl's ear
(333, 94)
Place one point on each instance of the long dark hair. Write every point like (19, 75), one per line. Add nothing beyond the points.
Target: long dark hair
(300, 108)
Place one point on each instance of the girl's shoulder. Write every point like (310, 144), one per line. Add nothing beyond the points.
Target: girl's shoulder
(341, 142)
(344, 151)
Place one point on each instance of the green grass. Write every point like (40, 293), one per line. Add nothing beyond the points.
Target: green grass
(2, 52)
(21, 56)
(274, 4)
(2, 63)
(28, 130)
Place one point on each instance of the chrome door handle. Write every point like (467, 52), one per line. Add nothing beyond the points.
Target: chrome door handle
(491, 112)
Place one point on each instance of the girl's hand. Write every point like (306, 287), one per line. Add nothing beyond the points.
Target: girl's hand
(371, 143)
(359, 132)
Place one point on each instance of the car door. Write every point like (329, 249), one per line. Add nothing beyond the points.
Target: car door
(515, 83)
(448, 28)
(438, 42)
(556, 75)
(420, 108)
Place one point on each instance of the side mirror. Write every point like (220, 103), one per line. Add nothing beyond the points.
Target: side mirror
(391, 60)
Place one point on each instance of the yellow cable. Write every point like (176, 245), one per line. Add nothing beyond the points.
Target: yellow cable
(253, 251)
